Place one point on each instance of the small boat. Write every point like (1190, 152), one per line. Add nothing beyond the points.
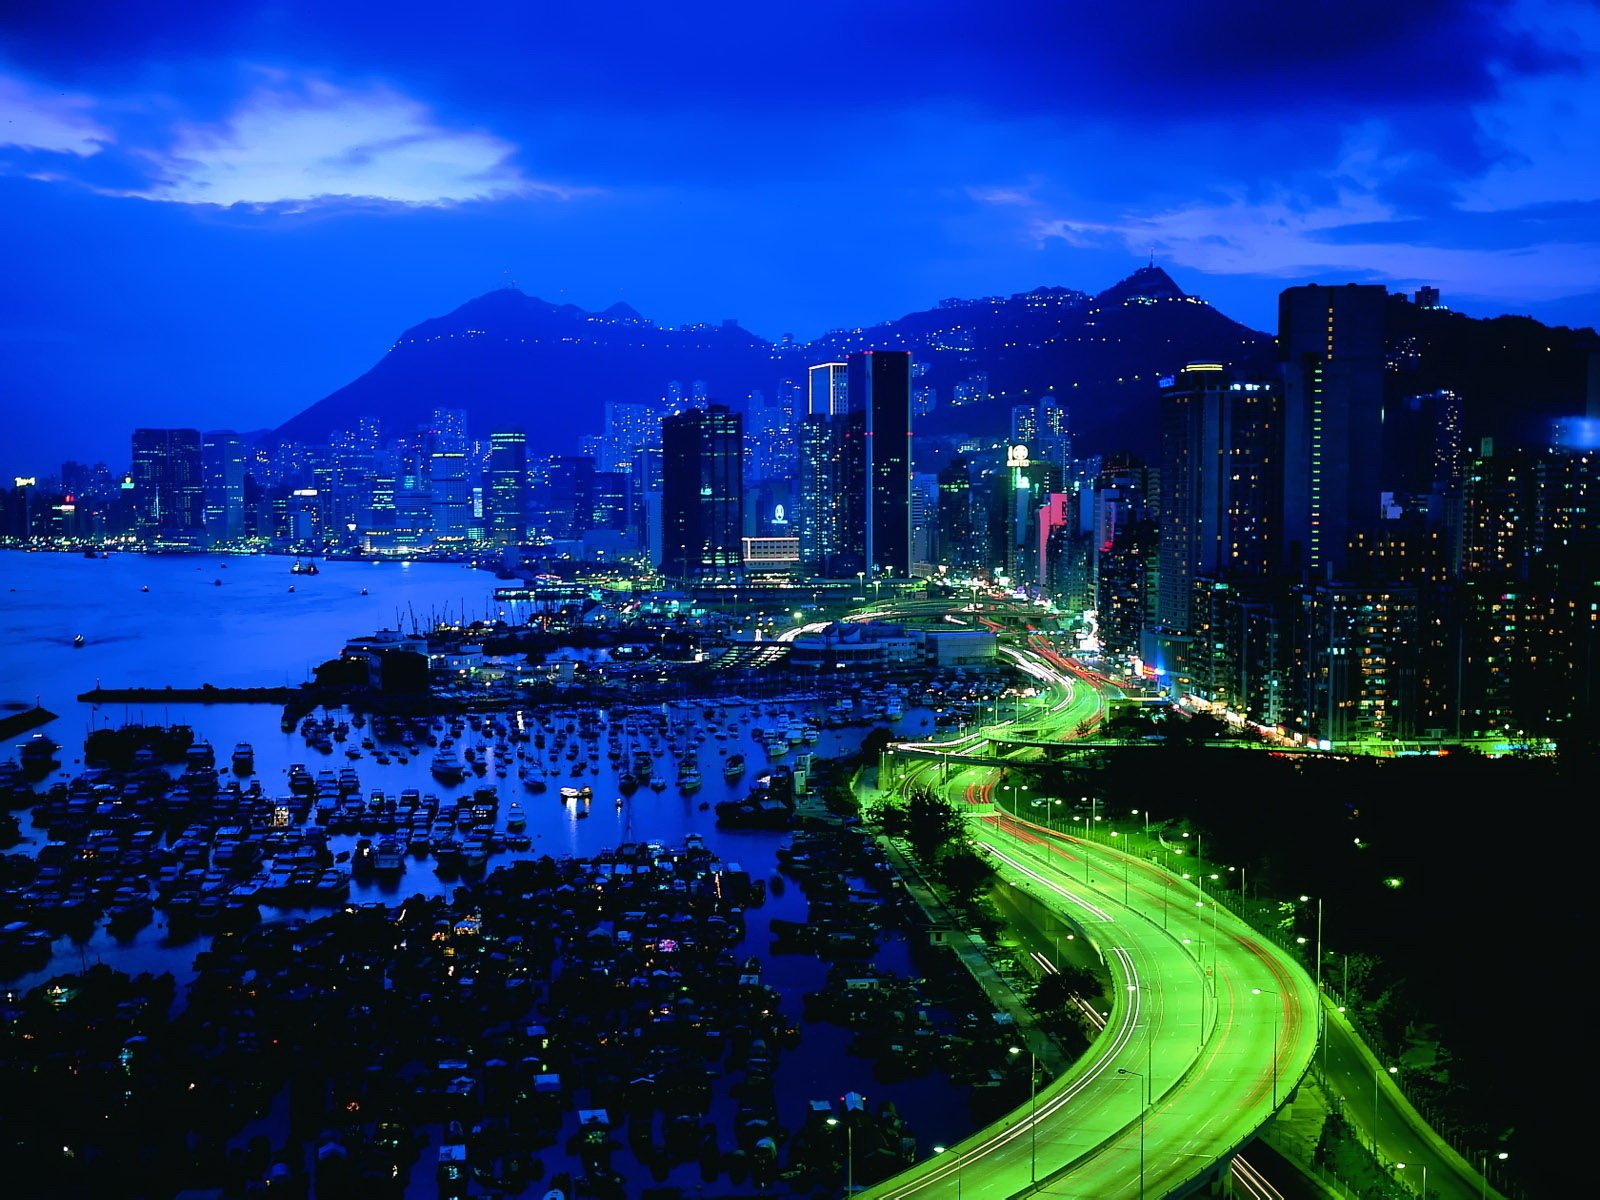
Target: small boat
(303, 568)
(218, 582)
(291, 587)
(77, 640)
(244, 758)
(145, 588)
(733, 768)
(363, 591)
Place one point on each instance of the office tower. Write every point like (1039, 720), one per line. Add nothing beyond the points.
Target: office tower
(878, 453)
(924, 516)
(564, 501)
(450, 489)
(506, 492)
(1220, 485)
(827, 390)
(613, 501)
(222, 472)
(1330, 342)
(953, 545)
(817, 515)
(1125, 566)
(702, 497)
(169, 493)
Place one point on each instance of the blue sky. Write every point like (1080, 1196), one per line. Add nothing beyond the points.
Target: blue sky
(215, 214)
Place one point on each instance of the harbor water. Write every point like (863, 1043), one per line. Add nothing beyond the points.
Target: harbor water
(187, 621)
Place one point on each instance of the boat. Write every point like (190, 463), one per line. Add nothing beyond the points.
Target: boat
(291, 587)
(733, 768)
(627, 783)
(244, 758)
(447, 766)
(391, 856)
(303, 568)
(658, 781)
(515, 818)
(145, 588)
(363, 591)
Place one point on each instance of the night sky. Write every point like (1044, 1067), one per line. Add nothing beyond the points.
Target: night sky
(214, 214)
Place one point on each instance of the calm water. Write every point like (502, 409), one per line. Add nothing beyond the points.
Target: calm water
(249, 629)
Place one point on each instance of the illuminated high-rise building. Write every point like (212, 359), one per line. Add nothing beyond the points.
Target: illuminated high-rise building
(1330, 341)
(222, 470)
(1220, 485)
(874, 486)
(702, 494)
(506, 487)
(168, 487)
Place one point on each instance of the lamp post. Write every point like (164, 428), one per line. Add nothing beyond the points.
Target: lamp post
(1483, 1169)
(1143, 1108)
(940, 1150)
(1033, 1113)
(849, 1156)
(1200, 966)
(1270, 992)
(1377, 1075)
(1400, 1166)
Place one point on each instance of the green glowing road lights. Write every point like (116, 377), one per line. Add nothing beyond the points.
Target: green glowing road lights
(1143, 1108)
(1270, 992)
(849, 1157)
(1483, 1168)
(1033, 1112)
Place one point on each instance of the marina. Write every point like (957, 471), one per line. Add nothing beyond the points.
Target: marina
(151, 856)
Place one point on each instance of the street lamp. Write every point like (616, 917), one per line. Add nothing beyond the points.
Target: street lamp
(1033, 1112)
(1270, 992)
(1200, 966)
(1400, 1166)
(1376, 1076)
(1483, 1168)
(937, 1150)
(1142, 1110)
(849, 1155)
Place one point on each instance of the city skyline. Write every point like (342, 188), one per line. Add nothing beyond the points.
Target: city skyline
(242, 210)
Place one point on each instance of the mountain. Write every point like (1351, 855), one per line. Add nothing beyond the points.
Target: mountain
(514, 361)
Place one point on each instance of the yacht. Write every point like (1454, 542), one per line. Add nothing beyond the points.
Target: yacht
(447, 766)
(244, 759)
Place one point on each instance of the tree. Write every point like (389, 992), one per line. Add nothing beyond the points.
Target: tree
(931, 823)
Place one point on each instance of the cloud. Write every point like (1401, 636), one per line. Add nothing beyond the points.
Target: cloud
(57, 122)
(298, 146)
(1286, 238)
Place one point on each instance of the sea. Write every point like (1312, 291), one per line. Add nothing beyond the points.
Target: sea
(148, 621)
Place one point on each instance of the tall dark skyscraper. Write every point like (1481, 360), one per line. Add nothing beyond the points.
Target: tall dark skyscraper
(506, 494)
(875, 484)
(702, 494)
(1330, 340)
(169, 491)
(1219, 482)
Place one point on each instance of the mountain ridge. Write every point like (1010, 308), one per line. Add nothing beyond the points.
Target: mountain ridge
(512, 360)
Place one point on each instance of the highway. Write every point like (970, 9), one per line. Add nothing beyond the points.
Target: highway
(1211, 1028)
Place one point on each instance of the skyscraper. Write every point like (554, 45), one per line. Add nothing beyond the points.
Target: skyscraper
(169, 495)
(506, 495)
(702, 500)
(876, 479)
(1219, 482)
(222, 474)
(1330, 341)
